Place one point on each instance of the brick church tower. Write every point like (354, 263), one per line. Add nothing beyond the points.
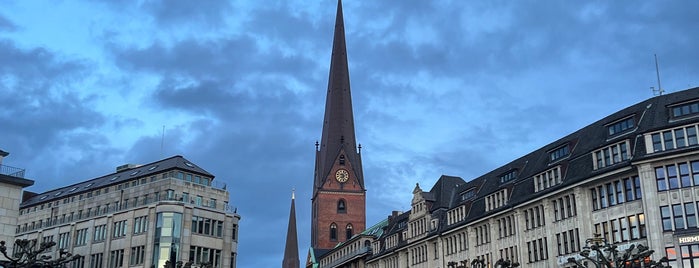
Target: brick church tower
(338, 204)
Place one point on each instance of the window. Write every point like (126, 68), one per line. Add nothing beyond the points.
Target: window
(611, 155)
(496, 200)
(205, 255)
(116, 258)
(140, 225)
(137, 255)
(673, 138)
(348, 231)
(96, 260)
(100, 233)
(341, 208)
(119, 229)
(81, 237)
(511, 175)
(63, 240)
(470, 193)
(559, 153)
(333, 232)
(547, 179)
(683, 174)
(685, 109)
(666, 217)
(621, 126)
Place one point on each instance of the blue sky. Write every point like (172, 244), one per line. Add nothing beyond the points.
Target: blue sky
(439, 87)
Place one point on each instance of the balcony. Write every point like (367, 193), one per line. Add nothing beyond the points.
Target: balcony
(12, 171)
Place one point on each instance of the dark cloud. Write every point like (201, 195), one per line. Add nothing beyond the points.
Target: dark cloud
(6, 25)
(179, 13)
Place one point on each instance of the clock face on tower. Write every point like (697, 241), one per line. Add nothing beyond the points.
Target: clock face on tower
(341, 175)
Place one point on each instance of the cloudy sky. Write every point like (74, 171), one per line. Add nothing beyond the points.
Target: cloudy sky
(439, 87)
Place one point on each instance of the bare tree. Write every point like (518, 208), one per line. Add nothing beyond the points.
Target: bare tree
(27, 255)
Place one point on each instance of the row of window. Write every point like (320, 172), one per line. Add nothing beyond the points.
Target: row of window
(614, 154)
(456, 243)
(685, 174)
(496, 200)
(674, 138)
(189, 177)
(623, 229)
(113, 207)
(534, 217)
(547, 179)
(564, 207)
(206, 226)
(456, 215)
(621, 126)
(199, 255)
(689, 256)
(506, 226)
(509, 253)
(568, 242)
(679, 216)
(333, 231)
(616, 193)
(537, 250)
(482, 234)
(685, 109)
(418, 254)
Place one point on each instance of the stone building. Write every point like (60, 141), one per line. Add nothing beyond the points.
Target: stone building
(138, 216)
(12, 182)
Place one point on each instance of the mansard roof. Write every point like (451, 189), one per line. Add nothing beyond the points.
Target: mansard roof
(650, 115)
(126, 174)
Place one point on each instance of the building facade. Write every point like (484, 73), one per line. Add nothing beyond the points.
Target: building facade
(138, 216)
(631, 178)
(12, 183)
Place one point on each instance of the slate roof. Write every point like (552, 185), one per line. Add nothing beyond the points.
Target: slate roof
(649, 115)
(146, 170)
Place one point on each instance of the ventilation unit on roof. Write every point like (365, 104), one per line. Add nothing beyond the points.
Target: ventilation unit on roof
(126, 167)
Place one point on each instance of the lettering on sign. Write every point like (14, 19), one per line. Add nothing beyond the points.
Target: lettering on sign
(689, 239)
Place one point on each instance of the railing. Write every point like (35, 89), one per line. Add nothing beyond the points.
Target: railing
(12, 171)
(350, 255)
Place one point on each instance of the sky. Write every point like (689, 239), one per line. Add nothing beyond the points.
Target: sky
(238, 87)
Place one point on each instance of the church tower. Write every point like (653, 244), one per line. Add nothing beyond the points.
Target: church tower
(339, 198)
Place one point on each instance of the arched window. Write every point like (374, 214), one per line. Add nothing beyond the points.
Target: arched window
(341, 207)
(348, 231)
(333, 232)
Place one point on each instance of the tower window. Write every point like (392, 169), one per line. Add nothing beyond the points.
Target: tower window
(333, 232)
(341, 208)
(348, 231)
(342, 159)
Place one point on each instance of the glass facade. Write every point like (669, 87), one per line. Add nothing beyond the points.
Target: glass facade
(168, 232)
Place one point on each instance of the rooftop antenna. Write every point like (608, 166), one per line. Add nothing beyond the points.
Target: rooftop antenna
(659, 90)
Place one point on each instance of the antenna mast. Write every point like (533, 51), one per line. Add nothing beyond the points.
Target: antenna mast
(660, 90)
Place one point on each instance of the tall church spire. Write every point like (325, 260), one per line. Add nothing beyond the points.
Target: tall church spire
(291, 250)
(338, 124)
(338, 204)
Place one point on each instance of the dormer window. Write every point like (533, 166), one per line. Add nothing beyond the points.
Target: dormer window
(685, 109)
(511, 175)
(559, 153)
(621, 126)
(468, 194)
